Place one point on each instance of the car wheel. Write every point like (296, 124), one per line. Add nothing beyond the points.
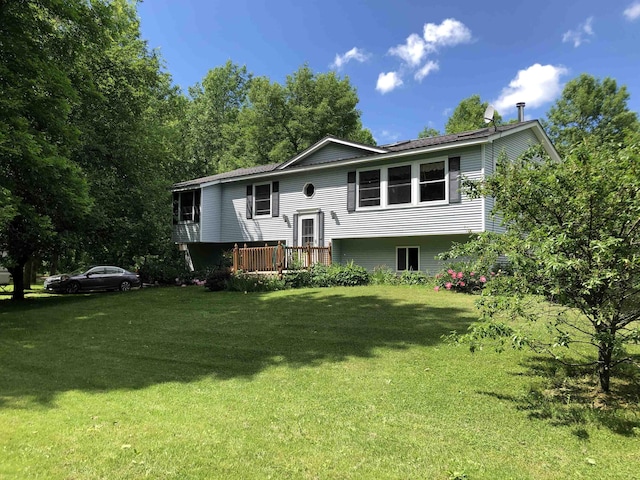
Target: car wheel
(73, 287)
(125, 286)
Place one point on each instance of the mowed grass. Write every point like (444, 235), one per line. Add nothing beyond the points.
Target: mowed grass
(341, 383)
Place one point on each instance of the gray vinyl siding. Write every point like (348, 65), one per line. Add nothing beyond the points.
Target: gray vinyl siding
(514, 146)
(330, 153)
(381, 252)
(211, 203)
(186, 233)
(331, 196)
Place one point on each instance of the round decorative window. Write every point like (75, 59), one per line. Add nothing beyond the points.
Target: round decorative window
(309, 190)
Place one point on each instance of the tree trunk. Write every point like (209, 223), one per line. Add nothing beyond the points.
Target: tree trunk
(17, 272)
(26, 279)
(605, 352)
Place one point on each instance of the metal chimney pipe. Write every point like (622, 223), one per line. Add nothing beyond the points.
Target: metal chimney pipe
(520, 107)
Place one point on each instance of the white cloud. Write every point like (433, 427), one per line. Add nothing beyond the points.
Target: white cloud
(536, 85)
(413, 51)
(632, 12)
(579, 36)
(447, 111)
(388, 82)
(426, 69)
(416, 49)
(449, 33)
(354, 54)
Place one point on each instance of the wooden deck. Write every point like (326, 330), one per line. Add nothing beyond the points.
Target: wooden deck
(277, 258)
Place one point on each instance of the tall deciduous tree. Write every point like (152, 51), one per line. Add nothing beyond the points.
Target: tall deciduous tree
(282, 120)
(428, 132)
(590, 107)
(469, 115)
(212, 120)
(574, 237)
(126, 123)
(46, 191)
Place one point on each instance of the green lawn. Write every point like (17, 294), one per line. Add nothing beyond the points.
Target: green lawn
(321, 383)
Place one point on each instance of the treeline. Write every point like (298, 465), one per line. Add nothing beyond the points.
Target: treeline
(93, 133)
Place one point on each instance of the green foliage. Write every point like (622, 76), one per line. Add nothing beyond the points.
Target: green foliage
(218, 279)
(573, 236)
(428, 132)
(469, 115)
(409, 277)
(282, 120)
(590, 107)
(251, 282)
(335, 275)
(383, 275)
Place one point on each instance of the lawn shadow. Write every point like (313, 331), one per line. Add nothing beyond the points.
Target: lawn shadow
(131, 341)
(567, 396)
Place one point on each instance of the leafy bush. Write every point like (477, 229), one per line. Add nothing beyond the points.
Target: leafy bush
(349, 275)
(250, 282)
(383, 275)
(217, 280)
(165, 270)
(297, 279)
(409, 277)
(461, 278)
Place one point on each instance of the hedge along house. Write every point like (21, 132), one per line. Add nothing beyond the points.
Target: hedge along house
(396, 205)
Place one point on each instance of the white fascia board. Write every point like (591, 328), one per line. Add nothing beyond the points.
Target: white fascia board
(324, 142)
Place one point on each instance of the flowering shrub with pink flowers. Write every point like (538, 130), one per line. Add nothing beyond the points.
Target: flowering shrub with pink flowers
(460, 278)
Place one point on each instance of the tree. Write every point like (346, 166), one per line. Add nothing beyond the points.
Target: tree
(573, 237)
(590, 107)
(282, 120)
(469, 115)
(46, 192)
(129, 125)
(212, 117)
(428, 132)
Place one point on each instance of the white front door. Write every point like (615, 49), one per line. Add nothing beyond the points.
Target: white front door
(308, 228)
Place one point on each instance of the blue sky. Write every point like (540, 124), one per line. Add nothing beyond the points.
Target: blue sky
(411, 61)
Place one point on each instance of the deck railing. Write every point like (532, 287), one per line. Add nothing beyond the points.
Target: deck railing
(277, 258)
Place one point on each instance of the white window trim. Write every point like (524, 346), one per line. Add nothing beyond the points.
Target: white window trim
(415, 185)
(255, 199)
(181, 221)
(407, 259)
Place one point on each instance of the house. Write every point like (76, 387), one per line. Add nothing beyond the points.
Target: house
(397, 205)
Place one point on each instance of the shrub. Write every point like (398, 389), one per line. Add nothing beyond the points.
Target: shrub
(249, 282)
(409, 277)
(462, 278)
(349, 275)
(217, 280)
(164, 270)
(297, 279)
(383, 275)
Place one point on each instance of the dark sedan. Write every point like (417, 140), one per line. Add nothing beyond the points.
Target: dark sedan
(94, 279)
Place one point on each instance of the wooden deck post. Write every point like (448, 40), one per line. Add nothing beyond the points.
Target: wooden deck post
(330, 260)
(308, 256)
(279, 258)
(235, 258)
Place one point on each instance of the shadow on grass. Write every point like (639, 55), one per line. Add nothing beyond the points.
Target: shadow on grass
(568, 396)
(129, 341)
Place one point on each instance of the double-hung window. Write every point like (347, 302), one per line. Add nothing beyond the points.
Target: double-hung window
(432, 181)
(407, 258)
(369, 188)
(263, 199)
(399, 185)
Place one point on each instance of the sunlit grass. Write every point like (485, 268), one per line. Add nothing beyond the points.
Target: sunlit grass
(319, 383)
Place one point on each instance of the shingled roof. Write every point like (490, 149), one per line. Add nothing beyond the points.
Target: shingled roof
(389, 148)
(455, 137)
